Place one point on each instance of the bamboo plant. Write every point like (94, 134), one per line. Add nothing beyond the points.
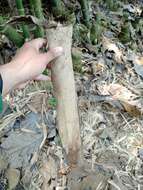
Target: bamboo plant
(32, 7)
(85, 11)
(36, 9)
(58, 8)
(11, 33)
(20, 9)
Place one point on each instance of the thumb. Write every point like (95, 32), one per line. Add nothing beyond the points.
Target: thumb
(51, 55)
(42, 77)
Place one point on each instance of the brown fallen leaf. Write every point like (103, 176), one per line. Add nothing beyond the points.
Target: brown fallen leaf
(48, 171)
(13, 176)
(29, 19)
(111, 46)
(130, 101)
(80, 180)
(132, 108)
(138, 65)
(98, 65)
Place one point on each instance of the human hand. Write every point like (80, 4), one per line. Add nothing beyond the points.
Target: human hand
(28, 64)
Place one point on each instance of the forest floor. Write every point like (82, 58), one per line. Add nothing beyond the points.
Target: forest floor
(109, 85)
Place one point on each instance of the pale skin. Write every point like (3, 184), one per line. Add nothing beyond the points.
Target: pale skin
(28, 64)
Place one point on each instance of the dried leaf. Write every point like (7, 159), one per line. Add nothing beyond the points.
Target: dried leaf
(130, 8)
(29, 19)
(20, 145)
(138, 65)
(133, 9)
(3, 160)
(98, 66)
(48, 171)
(81, 180)
(13, 176)
(140, 153)
(125, 96)
(110, 46)
(133, 108)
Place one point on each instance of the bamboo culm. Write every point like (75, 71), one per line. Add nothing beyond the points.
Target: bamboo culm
(58, 8)
(11, 33)
(21, 12)
(85, 11)
(36, 7)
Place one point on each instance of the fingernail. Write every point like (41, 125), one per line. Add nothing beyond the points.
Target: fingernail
(58, 51)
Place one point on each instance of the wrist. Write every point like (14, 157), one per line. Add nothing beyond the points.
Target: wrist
(9, 77)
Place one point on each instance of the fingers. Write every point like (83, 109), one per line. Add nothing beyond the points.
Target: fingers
(23, 85)
(51, 55)
(42, 78)
(49, 66)
(54, 53)
(38, 43)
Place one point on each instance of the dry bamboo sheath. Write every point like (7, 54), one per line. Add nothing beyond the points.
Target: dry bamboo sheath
(64, 88)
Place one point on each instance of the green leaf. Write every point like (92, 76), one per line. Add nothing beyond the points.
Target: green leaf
(52, 102)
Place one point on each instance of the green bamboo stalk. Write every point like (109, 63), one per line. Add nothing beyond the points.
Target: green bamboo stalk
(20, 9)
(125, 34)
(85, 11)
(32, 7)
(36, 5)
(96, 29)
(113, 5)
(38, 9)
(11, 33)
(58, 8)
